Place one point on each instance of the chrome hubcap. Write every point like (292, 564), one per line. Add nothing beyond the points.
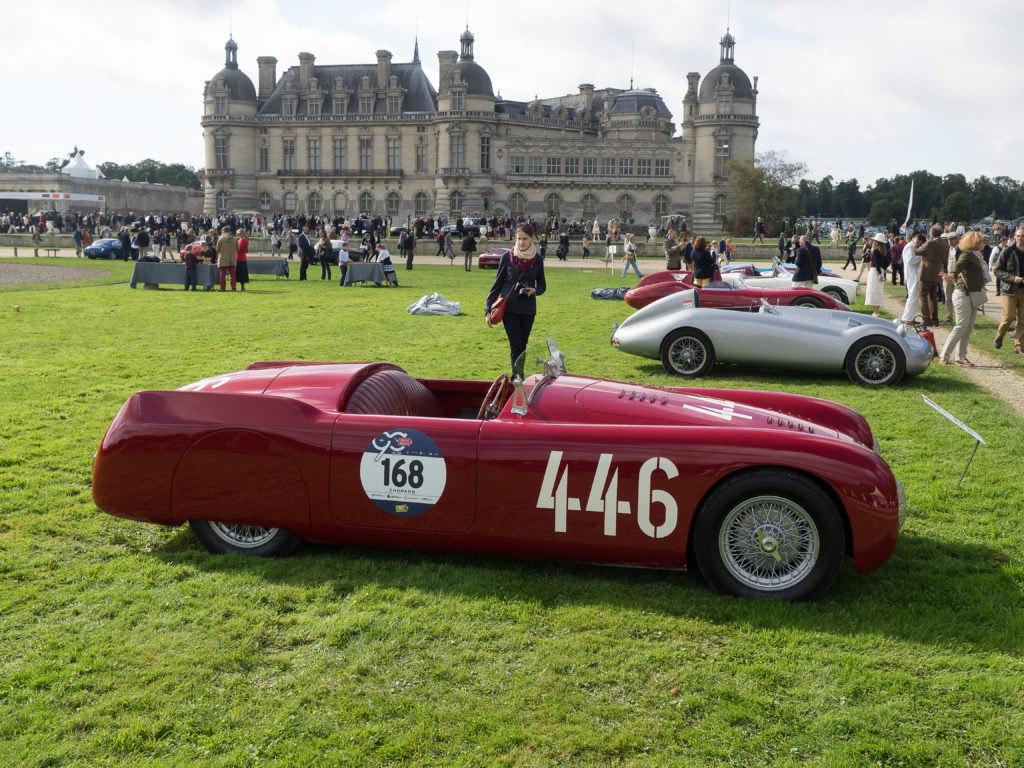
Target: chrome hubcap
(769, 543)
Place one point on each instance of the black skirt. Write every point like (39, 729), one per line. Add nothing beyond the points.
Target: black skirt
(242, 271)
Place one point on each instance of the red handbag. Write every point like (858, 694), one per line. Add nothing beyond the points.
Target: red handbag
(497, 311)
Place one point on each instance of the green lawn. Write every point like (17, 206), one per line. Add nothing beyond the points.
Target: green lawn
(123, 644)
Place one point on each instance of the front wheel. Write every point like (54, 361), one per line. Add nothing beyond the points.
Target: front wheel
(687, 352)
(255, 540)
(875, 362)
(770, 534)
(836, 293)
(808, 301)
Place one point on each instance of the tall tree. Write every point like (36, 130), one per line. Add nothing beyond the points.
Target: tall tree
(764, 186)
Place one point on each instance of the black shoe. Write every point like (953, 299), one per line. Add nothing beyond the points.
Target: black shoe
(998, 343)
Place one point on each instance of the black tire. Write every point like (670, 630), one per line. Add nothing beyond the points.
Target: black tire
(876, 361)
(769, 534)
(687, 352)
(808, 301)
(254, 540)
(836, 293)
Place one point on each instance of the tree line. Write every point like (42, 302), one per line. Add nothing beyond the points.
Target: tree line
(772, 187)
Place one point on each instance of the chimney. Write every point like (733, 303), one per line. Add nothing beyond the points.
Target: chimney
(446, 60)
(268, 76)
(586, 97)
(305, 69)
(383, 69)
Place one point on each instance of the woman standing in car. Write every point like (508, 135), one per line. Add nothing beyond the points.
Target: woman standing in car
(520, 280)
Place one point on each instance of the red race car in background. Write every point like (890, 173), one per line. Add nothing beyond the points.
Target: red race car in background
(766, 492)
(489, 259)
(717, 294)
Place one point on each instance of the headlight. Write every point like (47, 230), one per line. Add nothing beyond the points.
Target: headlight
(901, 329)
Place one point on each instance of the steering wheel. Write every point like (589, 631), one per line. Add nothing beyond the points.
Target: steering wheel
(495, 398)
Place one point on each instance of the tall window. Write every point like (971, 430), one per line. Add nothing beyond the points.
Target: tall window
(313, 106)
(535, 165)
(394, 150)
(643, 166)
(456, 204)
(457, 151)
(572, 166)
(607, 166)
(339, 104)
(220, 145)
(554, 204)
(625, 166)
(421, 202)
(366, 154)
(516, 164)
(223, 201)
(289, 107)
(517, 204)
(290, 202)
(288, 155)
(366, 202)
(661, 204)
(589, 205)
(421, 156)
(458, 100)
(220, 105)
(661, 167)
(720, 211)
(366, 105)
(314, 155)
(485, 153)
(264, 159)
(392, 202)
(394, 104)
(625, 208)
(265, 201)
(340, 161)
(315, 203)
(555, 165)
(721, 156)
(589, 166)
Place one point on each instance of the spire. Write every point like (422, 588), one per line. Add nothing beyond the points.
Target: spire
(467, 45)
(231, 54)
(416, 51)
(728, 48)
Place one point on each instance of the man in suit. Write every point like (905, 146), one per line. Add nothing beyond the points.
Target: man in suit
(934, 254)
(305, 252)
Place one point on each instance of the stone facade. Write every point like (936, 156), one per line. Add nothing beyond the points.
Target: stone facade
(379, 138)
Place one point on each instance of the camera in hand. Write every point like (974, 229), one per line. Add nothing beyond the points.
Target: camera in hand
(524, 292)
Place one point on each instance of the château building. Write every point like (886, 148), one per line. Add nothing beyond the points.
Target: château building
(379, 138)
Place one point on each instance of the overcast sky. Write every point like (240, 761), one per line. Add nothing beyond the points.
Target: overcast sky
(861, 90)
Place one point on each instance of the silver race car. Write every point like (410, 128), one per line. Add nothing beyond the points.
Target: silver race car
(689, 340)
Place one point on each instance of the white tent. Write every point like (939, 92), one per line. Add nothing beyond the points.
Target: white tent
(80, 169)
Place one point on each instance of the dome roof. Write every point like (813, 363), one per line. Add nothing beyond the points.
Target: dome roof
(239, 85)
(736, 77)
(478, 82)
(635, 100)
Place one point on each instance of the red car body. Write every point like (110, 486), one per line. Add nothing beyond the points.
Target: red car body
(489, 259)
(721, 295)
(589, 470)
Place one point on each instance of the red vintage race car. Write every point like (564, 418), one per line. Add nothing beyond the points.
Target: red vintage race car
(489, 259)
(717, 294)
(766, 492)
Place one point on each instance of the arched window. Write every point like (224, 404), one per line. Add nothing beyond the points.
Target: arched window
(456, 203)
(421, 203)
(265, 201)
(291, 202)
(223, 201)
(366, 202)
(394, 200)
(553, 202)
(589, 202)
(517, 204)
(661, 205)
(315, 204)
(626, 208)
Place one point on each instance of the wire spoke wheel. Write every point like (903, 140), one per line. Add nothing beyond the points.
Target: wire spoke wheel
(244, 536)
(876, 363)
(687, 352)
(769, 543)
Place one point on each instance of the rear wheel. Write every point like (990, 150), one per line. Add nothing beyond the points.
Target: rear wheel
(255, 540)
(875, 362)
(770, 534)
(687, 352)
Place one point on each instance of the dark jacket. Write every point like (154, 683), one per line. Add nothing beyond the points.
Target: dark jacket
(806, 265)
(1008, 266)
(703, 264)
(468, 244)
(934, 255)
(508, 271)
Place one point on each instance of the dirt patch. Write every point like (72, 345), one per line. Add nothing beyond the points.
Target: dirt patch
(27, 274)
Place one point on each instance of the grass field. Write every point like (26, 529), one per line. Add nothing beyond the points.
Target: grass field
(123, 644)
